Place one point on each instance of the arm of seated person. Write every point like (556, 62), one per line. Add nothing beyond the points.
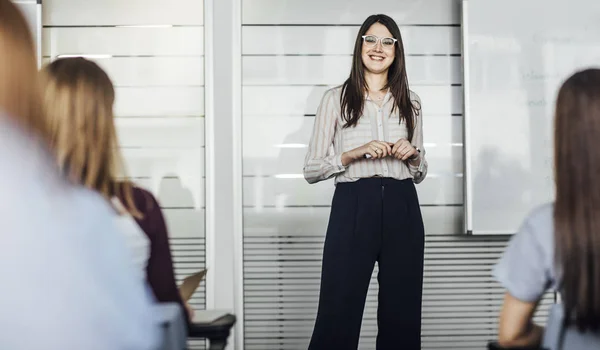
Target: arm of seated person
(160, 271)
(525, 272)
(516, 328)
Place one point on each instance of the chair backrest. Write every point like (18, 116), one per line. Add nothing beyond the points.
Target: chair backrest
(556, 337)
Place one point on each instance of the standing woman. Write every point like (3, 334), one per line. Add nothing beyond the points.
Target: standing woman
(374, 123)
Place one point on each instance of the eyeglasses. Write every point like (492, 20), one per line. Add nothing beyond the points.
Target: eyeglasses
(372, 40)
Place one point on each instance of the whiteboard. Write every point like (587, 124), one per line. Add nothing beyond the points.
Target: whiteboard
(32, 10)
(516, 54)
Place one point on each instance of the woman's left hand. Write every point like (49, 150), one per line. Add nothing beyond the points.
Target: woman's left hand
(403, 150)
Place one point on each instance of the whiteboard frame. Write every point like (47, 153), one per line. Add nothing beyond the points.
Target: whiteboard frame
(467, 169)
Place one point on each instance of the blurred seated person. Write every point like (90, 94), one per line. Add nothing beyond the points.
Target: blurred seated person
(66, 278)
(558, 245)
(78, 98)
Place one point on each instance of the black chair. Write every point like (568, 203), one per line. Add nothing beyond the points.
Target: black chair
(216, 332)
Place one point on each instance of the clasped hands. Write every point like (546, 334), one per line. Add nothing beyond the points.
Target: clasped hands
(401, 150)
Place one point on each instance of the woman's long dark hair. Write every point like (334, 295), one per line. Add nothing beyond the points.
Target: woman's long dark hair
(353, 90)
(577, 206)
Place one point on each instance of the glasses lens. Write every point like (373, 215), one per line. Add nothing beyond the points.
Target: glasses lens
(387, 42)
(370, 40)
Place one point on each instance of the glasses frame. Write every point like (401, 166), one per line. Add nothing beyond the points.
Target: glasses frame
(379, 41)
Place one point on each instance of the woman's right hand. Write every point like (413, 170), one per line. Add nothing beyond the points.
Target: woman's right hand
(376, 149)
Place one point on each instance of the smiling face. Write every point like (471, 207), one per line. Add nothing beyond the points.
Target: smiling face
(378, 59)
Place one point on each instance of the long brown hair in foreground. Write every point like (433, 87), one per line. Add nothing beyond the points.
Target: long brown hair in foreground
(577, 207)
(19, 88)
(353, 90)
(78, 98)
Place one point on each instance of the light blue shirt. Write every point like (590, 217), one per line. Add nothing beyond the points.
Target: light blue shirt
(527, 269)
(66, 277)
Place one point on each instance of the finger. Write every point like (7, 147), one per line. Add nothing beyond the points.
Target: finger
(396, 147)
(398, 152)
(398, 155)
(385, 148)
(408, 155)
(408, 152)
(372, 149)
(388, 147)
(402, 150)
(375, 149)
(375, 143)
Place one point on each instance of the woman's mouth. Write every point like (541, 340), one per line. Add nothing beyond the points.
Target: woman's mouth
(376, 58)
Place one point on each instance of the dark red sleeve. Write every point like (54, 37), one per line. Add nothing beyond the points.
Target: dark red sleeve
(159, 272)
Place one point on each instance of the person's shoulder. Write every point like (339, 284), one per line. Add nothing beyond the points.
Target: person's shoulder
(143, 199)
(414, 96)
(142, 194)
(416, 102)
(335, 91)
(539, 224)
(541, 217)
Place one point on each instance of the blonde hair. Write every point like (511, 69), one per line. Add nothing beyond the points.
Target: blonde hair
(78, 98)
(19, 89)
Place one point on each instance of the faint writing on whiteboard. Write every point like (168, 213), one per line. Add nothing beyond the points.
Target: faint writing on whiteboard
(545, 39)
(532, 75)
(542, 102)
(574, 36)
(494, 43)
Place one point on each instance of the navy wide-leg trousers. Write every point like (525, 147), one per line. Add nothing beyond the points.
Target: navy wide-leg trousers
(372, 220)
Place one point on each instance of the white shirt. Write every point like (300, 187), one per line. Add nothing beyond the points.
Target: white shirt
(137, 241)
(67, 281)
(329, 140)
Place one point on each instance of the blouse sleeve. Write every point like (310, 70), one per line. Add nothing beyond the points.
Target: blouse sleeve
(524, 268)
(320, 163)
(418, 170)
(159, 272)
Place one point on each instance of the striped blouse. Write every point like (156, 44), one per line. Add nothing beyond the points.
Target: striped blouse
(329, 140)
